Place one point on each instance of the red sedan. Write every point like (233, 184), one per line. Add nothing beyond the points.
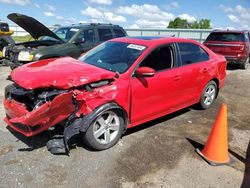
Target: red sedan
(117, 85)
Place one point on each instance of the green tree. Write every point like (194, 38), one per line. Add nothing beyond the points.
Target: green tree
(195, 25)
(179, 23)
(205, 23)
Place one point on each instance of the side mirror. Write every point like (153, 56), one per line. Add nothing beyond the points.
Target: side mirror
(79, 41)
(145, 72)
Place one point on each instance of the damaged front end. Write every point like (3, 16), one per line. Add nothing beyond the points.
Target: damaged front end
(33, 111)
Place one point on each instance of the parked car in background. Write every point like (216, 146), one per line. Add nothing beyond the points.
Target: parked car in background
(70, 40)
(234, 45)
(117, 85)
(5, 38)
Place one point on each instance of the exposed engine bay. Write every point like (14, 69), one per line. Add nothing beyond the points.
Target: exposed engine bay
(31, 98)
(12, 50)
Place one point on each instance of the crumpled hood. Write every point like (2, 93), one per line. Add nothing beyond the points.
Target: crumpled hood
(60, 73)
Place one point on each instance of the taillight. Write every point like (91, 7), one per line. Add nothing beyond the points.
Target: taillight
(242, 47)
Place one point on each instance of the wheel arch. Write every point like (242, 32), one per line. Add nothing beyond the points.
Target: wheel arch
(100, 109)
(80, 125)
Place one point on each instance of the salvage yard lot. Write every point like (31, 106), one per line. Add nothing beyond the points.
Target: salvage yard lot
(157, 154)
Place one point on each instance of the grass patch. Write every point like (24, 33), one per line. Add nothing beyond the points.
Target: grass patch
(22, 38)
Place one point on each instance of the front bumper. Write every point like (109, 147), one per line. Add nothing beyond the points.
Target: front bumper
(39, 119)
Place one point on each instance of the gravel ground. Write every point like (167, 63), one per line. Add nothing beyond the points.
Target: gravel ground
(157, 154)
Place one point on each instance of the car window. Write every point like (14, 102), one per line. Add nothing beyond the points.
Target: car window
(119, 33)
(86, 35)
(192, 53)
(246, 37)
(64, 33)
(113, 56)
(105, 34)
(159, 59)
(226, 37)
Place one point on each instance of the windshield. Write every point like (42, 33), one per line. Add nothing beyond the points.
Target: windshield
(227, 37)
(113, 56)
(64, 33)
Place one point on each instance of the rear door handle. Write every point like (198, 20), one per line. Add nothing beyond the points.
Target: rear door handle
(176, 78)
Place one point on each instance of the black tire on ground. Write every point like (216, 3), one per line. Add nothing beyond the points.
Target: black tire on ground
(208, 95)
(245, 65)
(91, 139)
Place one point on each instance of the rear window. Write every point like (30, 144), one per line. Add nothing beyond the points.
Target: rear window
(119, 33)
(226, 37)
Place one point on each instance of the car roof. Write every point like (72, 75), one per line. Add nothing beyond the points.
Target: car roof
(230, 31)
(152, 40)
(82, 25)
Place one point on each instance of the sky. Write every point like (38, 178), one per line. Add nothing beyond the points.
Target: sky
(132, 13)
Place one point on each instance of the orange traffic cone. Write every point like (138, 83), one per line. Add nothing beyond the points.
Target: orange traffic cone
(215, 151)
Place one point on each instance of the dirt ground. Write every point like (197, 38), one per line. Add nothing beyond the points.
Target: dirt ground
(157, 154)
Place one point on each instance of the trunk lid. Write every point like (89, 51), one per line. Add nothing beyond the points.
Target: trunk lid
(226, 48)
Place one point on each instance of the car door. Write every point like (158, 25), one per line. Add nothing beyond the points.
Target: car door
(104, 34)
(156, 95)
(85, 39)
(194, 70)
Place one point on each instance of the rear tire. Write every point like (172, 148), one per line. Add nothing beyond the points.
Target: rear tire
(105, 131)
(208, 95)
(245, 65)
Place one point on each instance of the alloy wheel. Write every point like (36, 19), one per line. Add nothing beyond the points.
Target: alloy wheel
(209, 95)
(106, 127)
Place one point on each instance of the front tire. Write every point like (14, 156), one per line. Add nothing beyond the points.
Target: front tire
(208, 95)
(105, 131)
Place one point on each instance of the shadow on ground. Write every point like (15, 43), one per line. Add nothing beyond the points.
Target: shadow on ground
(41, 139)
(156, 121)
(233, 67)
(246, 161)
(246, 179)
(34, 142)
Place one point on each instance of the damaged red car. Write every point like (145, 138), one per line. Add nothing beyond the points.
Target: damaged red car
(117, 85)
